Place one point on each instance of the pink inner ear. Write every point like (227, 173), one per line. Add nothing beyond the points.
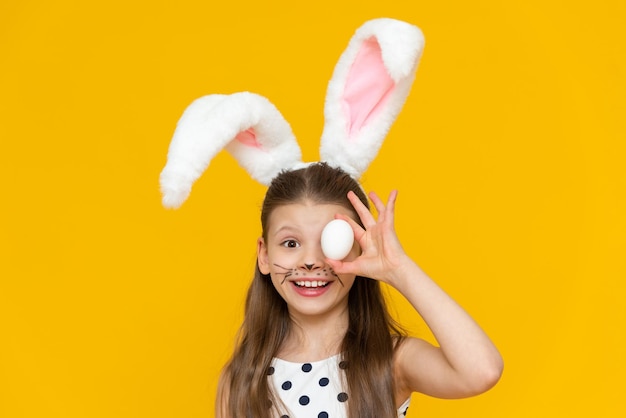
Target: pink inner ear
(248, 137)
(368, 87)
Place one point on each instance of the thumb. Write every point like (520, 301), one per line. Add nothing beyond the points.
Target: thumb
(343, 267)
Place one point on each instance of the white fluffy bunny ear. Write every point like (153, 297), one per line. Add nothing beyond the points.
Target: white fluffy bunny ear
(245, 124)
(367, 91)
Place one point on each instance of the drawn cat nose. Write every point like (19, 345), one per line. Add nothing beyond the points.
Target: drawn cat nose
(308, 266)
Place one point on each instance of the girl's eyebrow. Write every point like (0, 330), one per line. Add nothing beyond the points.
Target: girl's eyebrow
(286, 228)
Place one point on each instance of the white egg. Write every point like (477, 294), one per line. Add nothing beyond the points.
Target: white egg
(337, 239)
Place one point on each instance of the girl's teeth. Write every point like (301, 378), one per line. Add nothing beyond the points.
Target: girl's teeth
(309, 283)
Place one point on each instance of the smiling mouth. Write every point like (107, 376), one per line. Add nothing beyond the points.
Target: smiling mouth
(313, 284)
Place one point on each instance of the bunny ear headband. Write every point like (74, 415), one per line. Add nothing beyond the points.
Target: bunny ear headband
(365, 94)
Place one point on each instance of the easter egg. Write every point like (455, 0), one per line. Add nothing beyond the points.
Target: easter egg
(337, 239)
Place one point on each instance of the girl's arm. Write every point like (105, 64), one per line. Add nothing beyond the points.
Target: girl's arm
(466, 362)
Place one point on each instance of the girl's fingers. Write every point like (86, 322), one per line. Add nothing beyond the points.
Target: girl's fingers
(378, 204)
(391, 206)
(365, 215)
(385, 212)
(341, 267)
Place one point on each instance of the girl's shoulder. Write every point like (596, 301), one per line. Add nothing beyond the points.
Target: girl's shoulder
(410, 358)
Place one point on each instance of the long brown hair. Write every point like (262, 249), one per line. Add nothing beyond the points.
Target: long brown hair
(368, 346)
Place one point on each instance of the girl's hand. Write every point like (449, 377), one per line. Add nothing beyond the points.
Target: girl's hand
(382, 256)
(465, 362)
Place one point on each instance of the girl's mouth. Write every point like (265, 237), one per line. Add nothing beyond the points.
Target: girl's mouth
(311, 288)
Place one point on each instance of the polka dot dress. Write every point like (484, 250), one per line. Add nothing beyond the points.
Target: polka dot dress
(312, 390)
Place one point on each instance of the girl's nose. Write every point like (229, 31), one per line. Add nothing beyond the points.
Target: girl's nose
(313, 259)
(311, 266)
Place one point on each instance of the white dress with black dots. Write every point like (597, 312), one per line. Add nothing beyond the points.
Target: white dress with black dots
(312, 390)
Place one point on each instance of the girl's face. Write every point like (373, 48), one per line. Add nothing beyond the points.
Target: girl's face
(292, 255)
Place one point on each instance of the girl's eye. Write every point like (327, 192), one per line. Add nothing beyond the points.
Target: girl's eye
(290, 243)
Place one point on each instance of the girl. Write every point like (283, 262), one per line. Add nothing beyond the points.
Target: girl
(317, 339)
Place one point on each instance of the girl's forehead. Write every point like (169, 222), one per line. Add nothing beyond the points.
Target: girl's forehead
(306, 213)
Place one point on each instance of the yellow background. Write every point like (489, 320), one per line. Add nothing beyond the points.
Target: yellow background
(509, 156)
